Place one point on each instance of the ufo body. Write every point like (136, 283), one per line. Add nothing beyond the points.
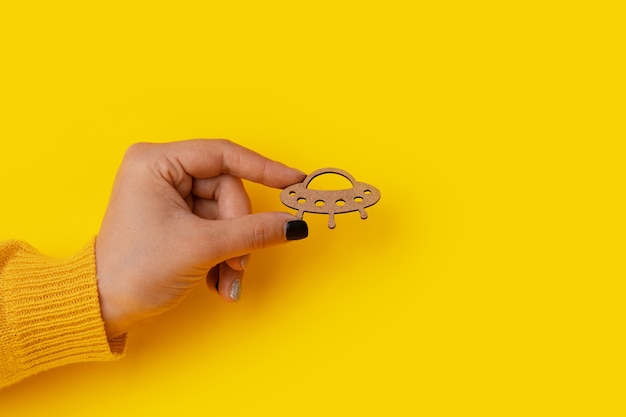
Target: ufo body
(330, 202)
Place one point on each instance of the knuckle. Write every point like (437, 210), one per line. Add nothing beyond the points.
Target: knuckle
(260, 236)
(222, 141)
(137, 150)
(215, 143)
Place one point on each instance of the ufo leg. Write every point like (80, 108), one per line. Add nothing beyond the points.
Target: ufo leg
(331, 220)
(299, 214)
(363, 214)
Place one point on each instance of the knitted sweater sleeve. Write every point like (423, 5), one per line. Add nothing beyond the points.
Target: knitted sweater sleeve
(49, 312)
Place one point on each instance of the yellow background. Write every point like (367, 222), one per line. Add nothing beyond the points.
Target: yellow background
(487, 281)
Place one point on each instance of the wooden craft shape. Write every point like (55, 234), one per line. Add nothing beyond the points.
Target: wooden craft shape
(330, 202)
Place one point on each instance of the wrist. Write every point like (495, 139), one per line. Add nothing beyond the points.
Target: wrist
(115, 321)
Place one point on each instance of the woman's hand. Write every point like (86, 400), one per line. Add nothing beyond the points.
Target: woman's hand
(179, 215)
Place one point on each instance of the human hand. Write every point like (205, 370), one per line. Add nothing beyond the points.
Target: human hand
(179, 215)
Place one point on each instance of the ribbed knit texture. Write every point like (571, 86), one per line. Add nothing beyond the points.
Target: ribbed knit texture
(49, 312)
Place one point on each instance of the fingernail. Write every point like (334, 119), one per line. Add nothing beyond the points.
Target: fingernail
(296, 230)
(244, 261)
(235, 290)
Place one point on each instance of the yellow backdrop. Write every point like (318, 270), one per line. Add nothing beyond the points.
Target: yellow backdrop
(487, 281)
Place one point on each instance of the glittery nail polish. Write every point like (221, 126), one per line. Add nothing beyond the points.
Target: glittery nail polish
(235, 290)
(296, 230)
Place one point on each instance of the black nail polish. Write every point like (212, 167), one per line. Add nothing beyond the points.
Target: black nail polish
(296, 230)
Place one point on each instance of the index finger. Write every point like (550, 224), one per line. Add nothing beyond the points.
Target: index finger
(205, 158)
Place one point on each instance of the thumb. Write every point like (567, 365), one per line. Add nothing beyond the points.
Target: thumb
(242, 235)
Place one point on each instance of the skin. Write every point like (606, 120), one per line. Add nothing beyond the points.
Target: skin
(179, 215)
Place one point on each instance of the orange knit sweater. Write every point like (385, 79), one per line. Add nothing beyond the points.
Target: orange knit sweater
(49, 312)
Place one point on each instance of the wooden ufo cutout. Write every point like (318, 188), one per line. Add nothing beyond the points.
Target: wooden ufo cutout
(330, 202)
